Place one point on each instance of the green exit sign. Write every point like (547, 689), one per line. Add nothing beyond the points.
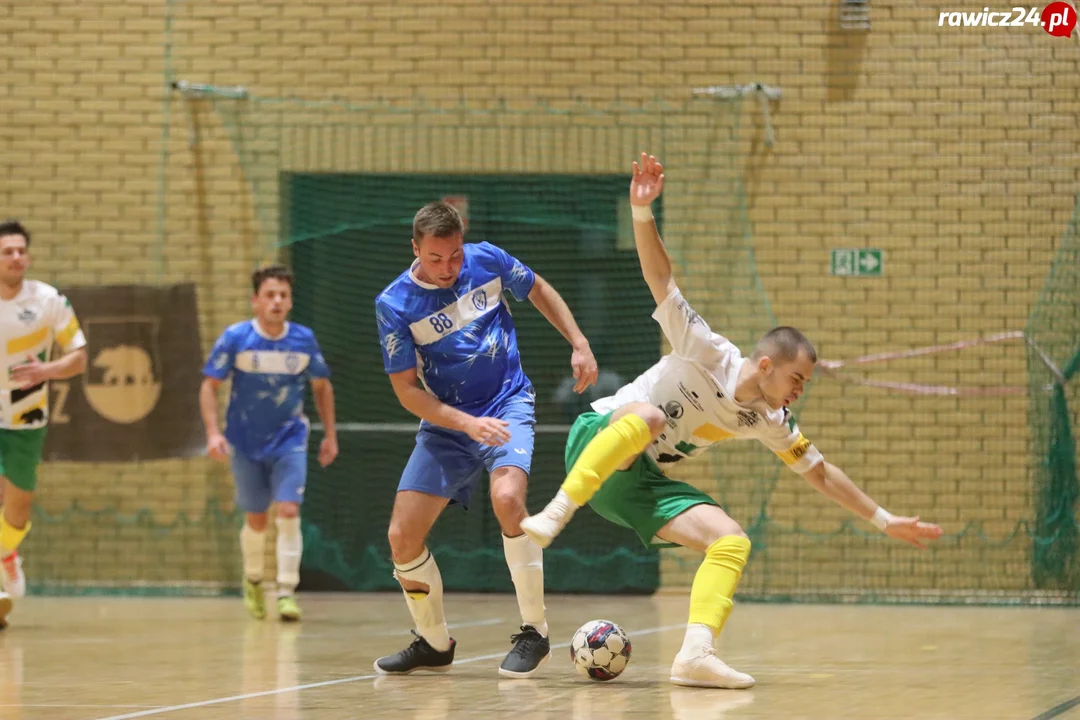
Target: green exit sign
(858, 262)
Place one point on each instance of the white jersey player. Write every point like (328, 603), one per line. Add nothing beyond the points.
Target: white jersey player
(34, 316)
(704, 392)
(695, 387)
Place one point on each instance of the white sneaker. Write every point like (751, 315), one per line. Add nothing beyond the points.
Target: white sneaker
(11, 576)
(549, 522)
(5, 608)
(705, 669)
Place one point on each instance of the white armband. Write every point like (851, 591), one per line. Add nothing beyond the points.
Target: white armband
(641, 213)
(881, 518)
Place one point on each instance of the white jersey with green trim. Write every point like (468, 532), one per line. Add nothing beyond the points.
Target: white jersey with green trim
(30, 323)
(695, 387)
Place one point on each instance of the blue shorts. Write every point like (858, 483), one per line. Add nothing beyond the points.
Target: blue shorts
(448, 463)
(278, 478)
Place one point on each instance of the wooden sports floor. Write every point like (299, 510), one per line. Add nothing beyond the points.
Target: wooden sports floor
(181, 659)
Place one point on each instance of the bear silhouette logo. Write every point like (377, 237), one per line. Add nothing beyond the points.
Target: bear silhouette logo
(32, 416)
(122, 382)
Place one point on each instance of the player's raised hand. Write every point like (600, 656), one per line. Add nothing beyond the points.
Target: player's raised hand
(648, 181)
(328, 450)
(488, 430)
(911, 531)
(585, 370)
(217, 447)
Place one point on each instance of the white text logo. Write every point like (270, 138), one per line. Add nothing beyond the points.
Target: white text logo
(1057, 18)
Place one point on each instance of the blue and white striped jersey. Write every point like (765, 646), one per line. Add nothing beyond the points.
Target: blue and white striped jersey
(461, 339)
(266, 405)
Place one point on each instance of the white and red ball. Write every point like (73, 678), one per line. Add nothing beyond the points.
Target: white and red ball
(600, 650)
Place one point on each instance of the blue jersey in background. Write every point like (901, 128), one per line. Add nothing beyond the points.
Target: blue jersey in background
(266, 406)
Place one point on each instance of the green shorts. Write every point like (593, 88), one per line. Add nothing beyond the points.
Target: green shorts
(20, 454)
(641, 498)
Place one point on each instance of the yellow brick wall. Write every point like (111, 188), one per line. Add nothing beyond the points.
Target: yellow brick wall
(954, 150)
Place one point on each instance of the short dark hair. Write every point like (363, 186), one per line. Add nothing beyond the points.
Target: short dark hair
(440, 219)
(14, 227)
(782, 344)
(276, 272)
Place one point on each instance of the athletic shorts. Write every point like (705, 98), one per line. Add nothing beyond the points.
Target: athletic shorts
(20, 455)
(449, 463)
(642, 497)
(278, 478)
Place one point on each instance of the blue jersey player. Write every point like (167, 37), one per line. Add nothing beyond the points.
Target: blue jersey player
(450, 349)
(266, 432)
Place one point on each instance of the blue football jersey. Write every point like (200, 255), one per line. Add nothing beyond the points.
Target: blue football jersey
(266, 406)
(461, 339)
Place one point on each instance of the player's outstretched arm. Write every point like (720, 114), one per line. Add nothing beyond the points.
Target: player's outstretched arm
(424, 405)
(323, 392)
(833, 483)
(645, 186)
(690, 336)
(552, 306)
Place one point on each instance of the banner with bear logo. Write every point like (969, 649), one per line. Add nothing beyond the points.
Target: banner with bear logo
(138, 398)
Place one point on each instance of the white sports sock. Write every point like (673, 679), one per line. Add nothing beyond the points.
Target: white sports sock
(290, 547)
(426, 608)
(698, 639)
(253, 550)
(526, 562)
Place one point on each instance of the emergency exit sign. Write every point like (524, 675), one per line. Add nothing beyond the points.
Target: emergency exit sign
(858, 262)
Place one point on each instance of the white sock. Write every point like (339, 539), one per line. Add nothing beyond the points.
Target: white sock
(698, 639)
(526, 562)
(253, 550)
(426, 608)
(290, 547)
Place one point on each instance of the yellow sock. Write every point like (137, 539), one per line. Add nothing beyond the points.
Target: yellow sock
(612, 446)
(10, 537)
(716, 580)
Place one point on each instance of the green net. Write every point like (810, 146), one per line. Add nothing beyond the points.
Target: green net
(1053, 335)
(335, 188)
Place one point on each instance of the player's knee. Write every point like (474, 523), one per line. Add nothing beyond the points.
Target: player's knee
(17, 513)
(405, 545)
(287, 510)
(653, 416)
(730, 529)
(18, 501)
(256, 521)
(507, 500)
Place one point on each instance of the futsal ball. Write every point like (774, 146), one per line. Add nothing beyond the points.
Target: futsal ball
(600, 650)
